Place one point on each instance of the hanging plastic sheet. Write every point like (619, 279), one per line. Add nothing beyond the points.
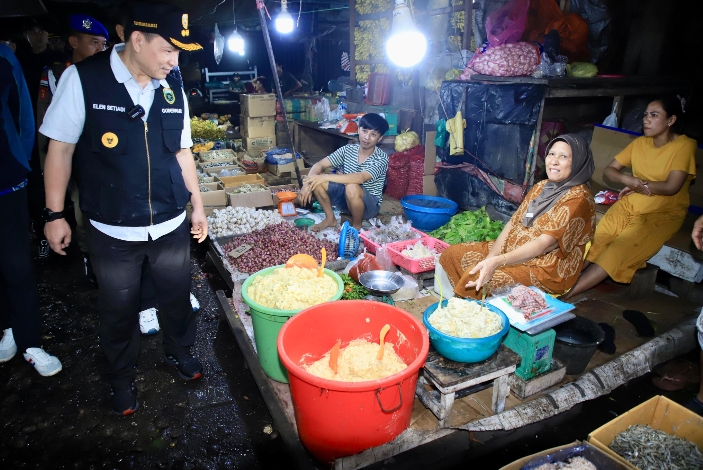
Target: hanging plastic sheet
(500, 123)
(219, 43)
(596, 14)
(470, 191)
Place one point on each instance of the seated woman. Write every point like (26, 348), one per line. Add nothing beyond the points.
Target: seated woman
(543, 243)
(654, 203)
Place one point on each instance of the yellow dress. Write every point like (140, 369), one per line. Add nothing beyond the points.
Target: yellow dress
(635, 228)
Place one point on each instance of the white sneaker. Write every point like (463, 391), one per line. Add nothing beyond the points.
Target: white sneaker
(148, 322)
(194, 303)
(46, 364)
(8, 347)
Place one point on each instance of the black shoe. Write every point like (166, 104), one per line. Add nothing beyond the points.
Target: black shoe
(88, 268)
(44, 249)
(189, 367)
(123, 398)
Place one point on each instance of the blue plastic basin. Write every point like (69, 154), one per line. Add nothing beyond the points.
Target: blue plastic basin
(465, 349)
(428, 213)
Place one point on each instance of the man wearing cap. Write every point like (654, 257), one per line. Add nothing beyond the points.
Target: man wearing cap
(123, 124)
(87, 37)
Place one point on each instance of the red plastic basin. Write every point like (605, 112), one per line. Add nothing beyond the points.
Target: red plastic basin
(335, 418)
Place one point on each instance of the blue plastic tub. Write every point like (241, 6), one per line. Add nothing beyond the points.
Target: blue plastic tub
(465, 349)
(428, 213)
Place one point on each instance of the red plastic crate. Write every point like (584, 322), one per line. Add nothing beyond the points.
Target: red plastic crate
(419, 265)
(371, 246)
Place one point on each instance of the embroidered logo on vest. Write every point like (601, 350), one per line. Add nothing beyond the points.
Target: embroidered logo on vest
(109, 140)
(169, 96)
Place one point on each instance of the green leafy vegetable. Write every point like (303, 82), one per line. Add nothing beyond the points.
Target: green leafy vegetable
(352, 290)
(469, 226)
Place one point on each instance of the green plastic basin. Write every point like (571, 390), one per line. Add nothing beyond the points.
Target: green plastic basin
(268, 323)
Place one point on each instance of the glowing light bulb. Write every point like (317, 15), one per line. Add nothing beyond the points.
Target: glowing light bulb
(284, 22)
(407, 45)
(235, 43)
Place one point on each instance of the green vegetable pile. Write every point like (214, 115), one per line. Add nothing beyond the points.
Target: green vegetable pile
(352, 290)
(469, 227)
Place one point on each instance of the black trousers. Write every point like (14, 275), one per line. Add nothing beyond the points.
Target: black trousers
(19, 297)
(118, 267)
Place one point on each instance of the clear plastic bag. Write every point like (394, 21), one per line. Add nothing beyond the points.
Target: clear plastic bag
(383, 257)
(219, 45)
(507, 24)
(408, 291)
(397, 230)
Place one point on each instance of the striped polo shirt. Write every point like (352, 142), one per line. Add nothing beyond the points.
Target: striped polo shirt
(347, 159)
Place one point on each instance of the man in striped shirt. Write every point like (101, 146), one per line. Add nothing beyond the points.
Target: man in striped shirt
(357, 188)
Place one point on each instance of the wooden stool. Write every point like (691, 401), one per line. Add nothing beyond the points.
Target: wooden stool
(454, 380)
(643, 282)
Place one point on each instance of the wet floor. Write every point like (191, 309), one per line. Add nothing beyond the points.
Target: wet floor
(217, 422)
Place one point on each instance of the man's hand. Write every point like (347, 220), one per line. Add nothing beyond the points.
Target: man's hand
(58, 234)
(315, 180)
(198, 223)
(304, 196)
(697, 233)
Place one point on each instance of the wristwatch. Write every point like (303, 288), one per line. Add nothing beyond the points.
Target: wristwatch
(49, 216)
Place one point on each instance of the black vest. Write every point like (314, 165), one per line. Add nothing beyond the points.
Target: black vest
(127, 170)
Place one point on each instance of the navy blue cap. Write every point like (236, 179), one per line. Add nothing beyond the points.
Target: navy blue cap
(87, 25)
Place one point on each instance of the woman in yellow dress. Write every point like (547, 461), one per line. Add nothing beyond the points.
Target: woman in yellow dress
(544, 242)
(654, 203)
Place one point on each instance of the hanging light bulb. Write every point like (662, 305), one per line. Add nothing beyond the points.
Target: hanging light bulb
(407, 45)
(284, 22)
(235, 42)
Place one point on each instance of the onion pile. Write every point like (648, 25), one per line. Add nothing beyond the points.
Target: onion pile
(273, 246)
(240, 220)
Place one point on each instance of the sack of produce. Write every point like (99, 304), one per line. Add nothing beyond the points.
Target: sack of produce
(406, 140)
(405, 171)
(507, 60)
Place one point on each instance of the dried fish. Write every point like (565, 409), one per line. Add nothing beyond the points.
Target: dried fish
(647, 448)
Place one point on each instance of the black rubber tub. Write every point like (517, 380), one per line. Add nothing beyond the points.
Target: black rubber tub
(576, 341)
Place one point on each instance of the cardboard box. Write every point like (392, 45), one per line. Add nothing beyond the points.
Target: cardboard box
(255, 145)
(590, 452)
(230, 181)
(257, 126)
(430, 152)
(215, 197)
(659, 413)
(207, 156)
(258, 105)
(278, 170)
(428, 186)
(256, 199)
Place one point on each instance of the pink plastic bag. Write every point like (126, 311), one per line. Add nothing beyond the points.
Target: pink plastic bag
(507, 24)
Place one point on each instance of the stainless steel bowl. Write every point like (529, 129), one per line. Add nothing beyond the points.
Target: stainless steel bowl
(381, 282)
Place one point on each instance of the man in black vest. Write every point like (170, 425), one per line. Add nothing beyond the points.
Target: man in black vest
(123, 123)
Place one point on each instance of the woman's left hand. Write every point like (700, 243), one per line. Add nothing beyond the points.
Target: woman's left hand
(485, 268)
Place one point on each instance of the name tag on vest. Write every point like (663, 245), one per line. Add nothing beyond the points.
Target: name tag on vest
(109, 107)
(172, 110)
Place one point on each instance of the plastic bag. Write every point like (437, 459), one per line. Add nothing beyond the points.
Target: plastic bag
(548, 68)
(408, 291)
(507, 24)
(383, 257)
(455, 127)
(406, 140)
(539, 15)
(612, 119)
(366, 262)
(219, 43)
(440, 139)
(573, 32)
(581, 70)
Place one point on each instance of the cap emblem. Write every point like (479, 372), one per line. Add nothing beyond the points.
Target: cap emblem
(184, 20)
(87, 24)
